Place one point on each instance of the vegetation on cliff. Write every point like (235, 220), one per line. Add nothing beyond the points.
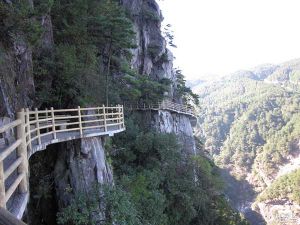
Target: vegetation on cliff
(166, 187)
(285, 187)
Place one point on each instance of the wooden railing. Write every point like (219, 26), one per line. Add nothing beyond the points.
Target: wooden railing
(6, 218)
(36, 129)
(164, 105)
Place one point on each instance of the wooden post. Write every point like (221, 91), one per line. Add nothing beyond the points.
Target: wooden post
(28, 128)
(119, 117)
(53, 123)
(2, 187)
(22, 152)
(104, 118)
(123, 125)
(80, 122)
(47, 129)
(37, 126)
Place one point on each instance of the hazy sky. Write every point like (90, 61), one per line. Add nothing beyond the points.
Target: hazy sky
(216, 37)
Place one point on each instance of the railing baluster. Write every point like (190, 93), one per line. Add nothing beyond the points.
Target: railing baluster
(37, 125)
(28, 128)
(2, 187)
(22, 152)
(104, 118)
(46, 113)
(80, 122)
(53, 123)
(119, 117)
(123, 122)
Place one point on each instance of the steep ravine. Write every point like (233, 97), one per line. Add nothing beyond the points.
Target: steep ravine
(251, 129)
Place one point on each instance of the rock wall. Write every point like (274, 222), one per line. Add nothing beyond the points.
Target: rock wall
(151, 57)
(281, 210)
(80, 166)
(278, 212)
(16, 80)
(168, 122)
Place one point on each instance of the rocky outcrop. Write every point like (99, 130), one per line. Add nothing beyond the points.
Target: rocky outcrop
(168, 122)
(151, 57)
(81, 164)
(280, 212)
(16, 80)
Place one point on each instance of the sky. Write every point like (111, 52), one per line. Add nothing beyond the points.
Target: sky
(218, 37)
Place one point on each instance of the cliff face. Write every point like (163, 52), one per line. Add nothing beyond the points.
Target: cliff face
(167, 122)
(153, 58)
(16, 79)
(80, 164)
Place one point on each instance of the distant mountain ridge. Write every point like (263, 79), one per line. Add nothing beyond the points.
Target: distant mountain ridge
(285, 72)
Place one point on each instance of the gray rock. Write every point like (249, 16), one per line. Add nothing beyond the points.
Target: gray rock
(80, 165)
(167, 122)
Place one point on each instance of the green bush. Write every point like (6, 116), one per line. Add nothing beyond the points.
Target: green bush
(113, 200)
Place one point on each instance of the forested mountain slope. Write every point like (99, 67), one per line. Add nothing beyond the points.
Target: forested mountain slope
(250, 122)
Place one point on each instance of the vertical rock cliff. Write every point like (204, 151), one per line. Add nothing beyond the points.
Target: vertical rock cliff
(16, 79)
(80, 166)
(153, 58)
(167, 122)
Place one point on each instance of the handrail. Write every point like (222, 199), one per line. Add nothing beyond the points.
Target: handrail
(38, 128)
(6, 218)
(165, 105)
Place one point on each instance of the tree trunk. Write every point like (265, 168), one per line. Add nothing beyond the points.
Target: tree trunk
(108, 70)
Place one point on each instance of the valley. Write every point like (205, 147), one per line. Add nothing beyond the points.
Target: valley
(250, 124)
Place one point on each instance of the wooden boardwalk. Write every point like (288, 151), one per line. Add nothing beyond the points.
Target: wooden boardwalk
(166, 105)
(163, 105)
(33, 131)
